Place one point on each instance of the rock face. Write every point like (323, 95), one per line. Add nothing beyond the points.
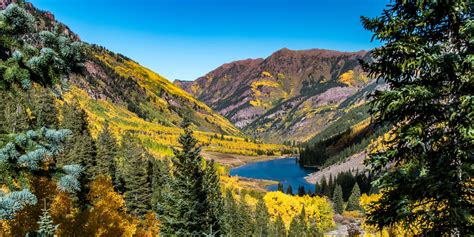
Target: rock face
(292, 94)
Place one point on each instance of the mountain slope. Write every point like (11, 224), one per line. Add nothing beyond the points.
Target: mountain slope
(130, 97)
(291, 95)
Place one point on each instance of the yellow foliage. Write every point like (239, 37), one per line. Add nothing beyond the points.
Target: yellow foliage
(251, 201)
(351, 78)
(365, 203)
(266, 100)
(266, 74)
(288, 206)
(156, 137)
(154, 83)
(347, 78)
(148, 227)
(108, 216)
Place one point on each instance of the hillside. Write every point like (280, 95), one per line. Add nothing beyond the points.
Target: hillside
(291, 95)
(130, 97)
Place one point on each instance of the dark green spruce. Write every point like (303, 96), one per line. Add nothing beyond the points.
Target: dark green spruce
(427, 62)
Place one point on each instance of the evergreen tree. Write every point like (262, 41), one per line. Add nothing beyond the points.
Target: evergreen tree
(74, 118)
(45, 111)
(31, 152)
(298, 225)
(80, 147)
(331, 185)
(262, 219)
(106, 154)
(427, 64)
(279, 229)
(313, 230)
(181, 209)
(214, 202)
(280, 187)
(289, 190)
(159, 175)
(325, 189)
(338, 201)
(230, 214)
(354, 199)
(137, 186)
(46, 226)
(245, 221)
(301, 191)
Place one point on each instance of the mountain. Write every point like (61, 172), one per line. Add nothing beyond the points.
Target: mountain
(291, 95)
(130, 97)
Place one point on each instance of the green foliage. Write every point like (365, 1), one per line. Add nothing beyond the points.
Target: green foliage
(427, 61)
(186, 205)
(214, 202)
(45, 111)
(298, 225)
(32, 152)
(279, 228)
(289, 190)
(280, 187)
(337, 199)
(262, 220)
(107, 152)
(135, 174)
(47, 62)
(329, 151)
(354, 199)
(347, 180)
(46, 226)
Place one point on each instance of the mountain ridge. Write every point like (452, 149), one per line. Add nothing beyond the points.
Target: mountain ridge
(251, 92)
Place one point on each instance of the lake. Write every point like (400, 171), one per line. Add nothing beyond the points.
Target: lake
(285, 170)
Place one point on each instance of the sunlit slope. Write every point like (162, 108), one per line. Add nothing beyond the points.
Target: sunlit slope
(155, 98)
(158, 138)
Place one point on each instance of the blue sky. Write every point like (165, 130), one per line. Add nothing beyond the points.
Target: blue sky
(185, 39)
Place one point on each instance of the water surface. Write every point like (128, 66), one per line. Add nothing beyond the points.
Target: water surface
(285, 170)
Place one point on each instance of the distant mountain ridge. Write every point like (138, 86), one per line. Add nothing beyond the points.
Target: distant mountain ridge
(290, 95)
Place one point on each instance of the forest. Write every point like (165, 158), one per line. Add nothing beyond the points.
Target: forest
(67, 171)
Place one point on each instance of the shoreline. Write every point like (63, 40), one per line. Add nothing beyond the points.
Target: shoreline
(235, 161)
(354, 162)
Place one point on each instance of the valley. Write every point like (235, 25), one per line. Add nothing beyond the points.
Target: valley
(300, 142)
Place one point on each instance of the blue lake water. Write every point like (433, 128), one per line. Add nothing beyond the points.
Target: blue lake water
(286, 171)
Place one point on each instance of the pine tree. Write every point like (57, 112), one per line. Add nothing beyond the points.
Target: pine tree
(338, 201)
(137, 186)
(159, 178)
(106, 154)
(280, 187)
(214, 202)
(289, 190)
(301, 191)
(262, 219)
(45, 111)
(331, 186)
(354, 199)
(427, 63)
(313, 230)
(32, 152)
(230, 214)
(181, 209)
(298, 225)
(80, 147)
(244, 220)
(324, 187)
(46, 226)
